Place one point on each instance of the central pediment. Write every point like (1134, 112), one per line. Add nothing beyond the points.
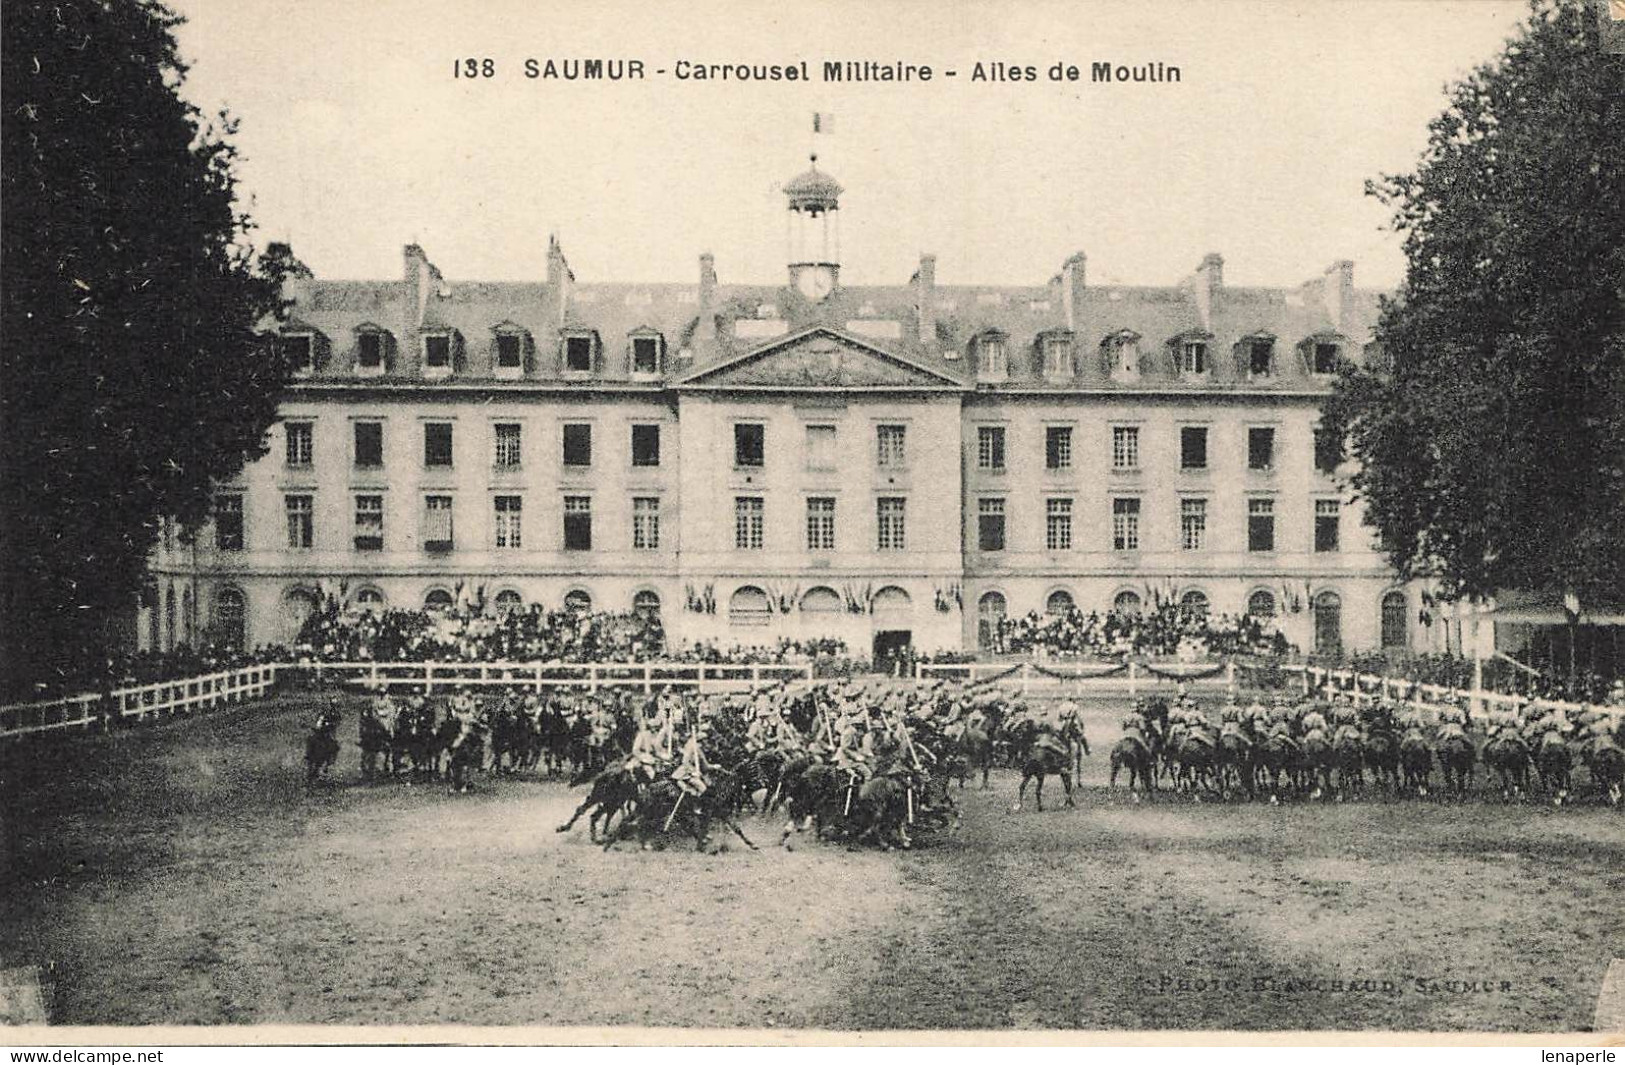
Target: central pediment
(819, 358)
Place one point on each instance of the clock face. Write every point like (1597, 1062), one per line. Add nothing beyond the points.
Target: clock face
(816, 282)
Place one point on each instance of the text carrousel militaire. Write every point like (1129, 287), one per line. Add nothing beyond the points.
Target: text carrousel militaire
(842, 71)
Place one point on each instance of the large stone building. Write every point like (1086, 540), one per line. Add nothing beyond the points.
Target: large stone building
(886, 464)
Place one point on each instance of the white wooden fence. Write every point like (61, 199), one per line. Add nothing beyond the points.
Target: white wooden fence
(1051, 677)
(540, 676)
(139, 701)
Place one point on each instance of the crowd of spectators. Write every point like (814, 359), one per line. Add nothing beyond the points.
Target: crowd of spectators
(468, 634)
(1169, 630)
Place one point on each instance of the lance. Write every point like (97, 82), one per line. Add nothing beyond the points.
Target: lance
(847, 809)
(678, 805)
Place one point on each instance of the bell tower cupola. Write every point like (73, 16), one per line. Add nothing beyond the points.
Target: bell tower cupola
(814, 232)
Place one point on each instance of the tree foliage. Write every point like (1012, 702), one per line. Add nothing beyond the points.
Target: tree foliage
(1491, 429)
(135, 370)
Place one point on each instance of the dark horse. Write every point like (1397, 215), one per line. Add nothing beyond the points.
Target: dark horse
(1042, 755)
(613, 789)
(1133, 753)
(1456, 758)
(321, 748)
(664, 807)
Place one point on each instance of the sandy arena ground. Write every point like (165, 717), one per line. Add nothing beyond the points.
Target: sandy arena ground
(184, 874)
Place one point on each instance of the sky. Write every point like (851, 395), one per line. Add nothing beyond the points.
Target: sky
(357, 139)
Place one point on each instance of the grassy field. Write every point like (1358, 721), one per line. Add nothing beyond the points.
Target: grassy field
(184, 874)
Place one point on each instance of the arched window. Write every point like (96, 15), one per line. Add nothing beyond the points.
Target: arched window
(1328, 623)
(749, 606)
(370, 600)
(646, 605)
(507, 601)
(1126, 603)
(821, 601)
(437, 600)
(990, 611)
(1394, 629)
(892, 606)
(578, 601)
(1261, 605)
(1194, 602)
(230, 614)
(1058, 602)
(297, 605)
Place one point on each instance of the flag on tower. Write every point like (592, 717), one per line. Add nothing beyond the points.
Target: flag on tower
(823, 122)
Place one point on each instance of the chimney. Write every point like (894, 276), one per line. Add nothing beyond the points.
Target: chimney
(925, 300)
(1208, 281)
(559, 278)
(706, 330)
(1074, 279)
(1338, 292)
(421, 279)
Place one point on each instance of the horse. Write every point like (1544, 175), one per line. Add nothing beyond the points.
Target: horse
(1509, 756)
(1195, 753)
(1382, 757)
(465, 753)
(1236, 755)
(614, 789)
(1416, 760)
(1133, 753)
(1280, 754)
(1348, 759)
(1043, 755)
(1606, 760)
(321, 749)
(975, 747)
(374, 741)
(1317, 762)
(664, 807)
(1456, 758)
(1555, 763)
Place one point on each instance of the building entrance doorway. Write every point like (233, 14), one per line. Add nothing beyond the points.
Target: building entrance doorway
(890, 645)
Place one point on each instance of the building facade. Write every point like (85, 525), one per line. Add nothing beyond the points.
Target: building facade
(888, 465)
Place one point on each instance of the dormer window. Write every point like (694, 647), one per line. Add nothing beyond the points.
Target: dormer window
(991, 359)
(510, 351)
(371, 351)
(580, 352)
(1122, 354)
(1324, 359)
(437, 354)
(648, 352)
(1260, 353)
(1193, 357)
(1057, 348)
(299, 350)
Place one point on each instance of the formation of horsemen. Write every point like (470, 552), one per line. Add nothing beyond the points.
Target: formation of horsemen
(874, 762)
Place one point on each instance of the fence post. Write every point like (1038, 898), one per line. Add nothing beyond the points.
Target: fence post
(1133, 678)
(1230, 674)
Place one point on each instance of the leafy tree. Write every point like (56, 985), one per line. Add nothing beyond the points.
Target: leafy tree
(135, 371)
(1491, 428)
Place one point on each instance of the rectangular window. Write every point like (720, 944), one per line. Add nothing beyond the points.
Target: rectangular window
(1125, 447)
(509, 519)
(748, 523)
(1327, 512)
(1261, 525)
(1260, 357)
(990, 524)
(1192, 448)
(1328, 451)
(578, 523)
(437, 451)
(1058, 357)
(1058, 447)
(300, 446)
(993, 357)
(1192, 524)
(369, 445)
(297, 351)
(1260, 448)
(510, 351)
(437, 530)
(750, 442)
(1193, 357)
(1326, 358)
(1058, 524)
(369, 523)
(889, 524)
(646, 355)
(509, 446)
(369, 351)
(821, 523)
(228, 523)
(437, 352)
(578, 445)
(646, 445)
(990, 447)
(1125, 525)
(646, 523)
(889, 446)
(820, 447)
(301, 522)
(578, 354)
